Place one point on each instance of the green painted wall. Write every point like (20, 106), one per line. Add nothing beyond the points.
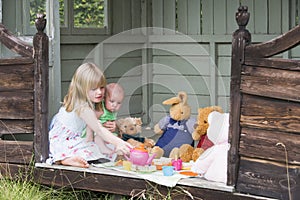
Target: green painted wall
(189, 50)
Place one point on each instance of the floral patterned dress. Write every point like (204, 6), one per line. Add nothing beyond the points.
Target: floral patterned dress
(66, 141)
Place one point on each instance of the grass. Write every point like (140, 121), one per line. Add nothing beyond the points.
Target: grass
(24, 189)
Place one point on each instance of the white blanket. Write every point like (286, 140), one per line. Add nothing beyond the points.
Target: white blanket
(156, 176)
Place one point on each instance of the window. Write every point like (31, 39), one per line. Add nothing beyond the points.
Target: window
(83, 16)
(76, 16)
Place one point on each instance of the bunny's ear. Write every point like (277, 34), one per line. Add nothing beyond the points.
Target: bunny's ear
(183, 97)
(172, 101)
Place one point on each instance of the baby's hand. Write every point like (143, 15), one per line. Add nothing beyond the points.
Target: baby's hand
(110, 125)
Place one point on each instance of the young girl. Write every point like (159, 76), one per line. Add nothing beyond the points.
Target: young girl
(77, 112)
(107, 110)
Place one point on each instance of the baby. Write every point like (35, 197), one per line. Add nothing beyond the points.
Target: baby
(113, 100)
(107, 114)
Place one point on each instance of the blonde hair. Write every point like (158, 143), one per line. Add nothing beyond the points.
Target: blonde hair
(114, 88)
(86, 77)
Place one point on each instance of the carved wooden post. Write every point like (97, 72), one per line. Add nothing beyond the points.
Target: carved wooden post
(41, 85)
(241, 38)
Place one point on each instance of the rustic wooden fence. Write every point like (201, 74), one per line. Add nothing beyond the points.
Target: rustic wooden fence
(23, 101)
(265, 115)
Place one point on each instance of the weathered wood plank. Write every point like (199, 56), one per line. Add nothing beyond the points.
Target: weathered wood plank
(257, 143)
(115, 184)
(13, 43)
(268, 179)
(16, 171)
(277, 45)
(17, 152)
(16, 105)
(16, 126)
(41, 93)
(16, 61)
(270, 114)
(269, 82)
(241, 38)
(277, 63)
(16, 77)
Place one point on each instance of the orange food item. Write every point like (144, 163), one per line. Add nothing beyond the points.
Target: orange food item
(188, 173)
(159, 166)
(119, 163)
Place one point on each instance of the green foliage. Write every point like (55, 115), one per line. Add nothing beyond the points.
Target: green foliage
(87, 13)
(36, 6)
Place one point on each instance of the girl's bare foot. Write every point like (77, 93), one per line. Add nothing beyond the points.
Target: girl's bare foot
(75, 161)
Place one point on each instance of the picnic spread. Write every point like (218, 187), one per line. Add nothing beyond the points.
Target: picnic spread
(160, 171)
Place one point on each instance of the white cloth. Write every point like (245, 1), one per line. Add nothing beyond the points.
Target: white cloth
(66, 141)
(212, 164)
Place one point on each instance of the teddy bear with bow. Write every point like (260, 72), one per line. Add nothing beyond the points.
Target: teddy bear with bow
(177, 127)
(187, 152)
(130, 129)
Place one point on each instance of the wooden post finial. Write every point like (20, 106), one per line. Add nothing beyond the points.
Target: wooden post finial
(40, 22)
(242, 17)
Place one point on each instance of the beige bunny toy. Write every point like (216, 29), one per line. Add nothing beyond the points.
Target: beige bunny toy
(176, 128)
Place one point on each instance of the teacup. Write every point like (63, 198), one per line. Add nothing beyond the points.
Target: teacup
(168, 170)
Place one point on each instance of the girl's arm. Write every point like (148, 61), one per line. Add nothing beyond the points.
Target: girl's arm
(89, 116)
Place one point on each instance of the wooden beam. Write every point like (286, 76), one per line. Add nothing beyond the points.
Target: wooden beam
(126, 185)
(275, 46)
(41, 88)
(268, 179)
(262, 144)
(13, 43)
(17, 152)
(241, 38)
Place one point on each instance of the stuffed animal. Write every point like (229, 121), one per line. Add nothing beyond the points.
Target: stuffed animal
(187, 152)
(212, 164)
(130, 129)
(202, 125)
(177, 127)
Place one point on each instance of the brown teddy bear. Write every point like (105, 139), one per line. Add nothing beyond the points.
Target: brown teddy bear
(130, 129)
(187, 152)
(177, 127)
(201, 126)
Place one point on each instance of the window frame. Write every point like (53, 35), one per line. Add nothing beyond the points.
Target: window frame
(71, 30)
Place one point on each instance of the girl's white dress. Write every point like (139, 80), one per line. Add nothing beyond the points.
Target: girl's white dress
(66, 141)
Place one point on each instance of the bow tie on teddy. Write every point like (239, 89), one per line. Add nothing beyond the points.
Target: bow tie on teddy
(176, 124)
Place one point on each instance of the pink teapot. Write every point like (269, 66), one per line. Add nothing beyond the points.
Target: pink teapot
(140, 156)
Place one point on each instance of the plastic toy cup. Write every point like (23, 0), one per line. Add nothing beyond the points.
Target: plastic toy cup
(168, 170)
(177, 164)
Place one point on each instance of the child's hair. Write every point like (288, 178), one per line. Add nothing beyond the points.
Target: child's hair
(86, 77)
(114, 88)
